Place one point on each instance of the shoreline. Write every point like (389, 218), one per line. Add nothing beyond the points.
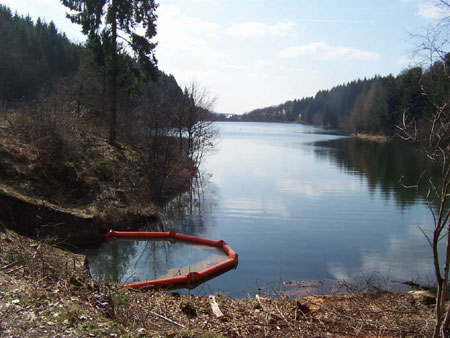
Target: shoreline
(47, 292)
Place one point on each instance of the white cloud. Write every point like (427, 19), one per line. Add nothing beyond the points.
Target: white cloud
(183, 34)
(171, 15)
(253, 29)
(429, 10)
(254, 207)
(404, 61)
(323, 51)
(262, 64)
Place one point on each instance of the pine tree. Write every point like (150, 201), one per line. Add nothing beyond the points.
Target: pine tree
(105, 19)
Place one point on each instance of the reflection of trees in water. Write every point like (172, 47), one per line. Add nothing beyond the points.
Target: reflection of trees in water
(191, 211)
(381, 163)
(129, 261)
(110, 262)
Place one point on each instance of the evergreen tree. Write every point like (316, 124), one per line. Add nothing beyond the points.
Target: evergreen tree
(32, 57)
(104, 20)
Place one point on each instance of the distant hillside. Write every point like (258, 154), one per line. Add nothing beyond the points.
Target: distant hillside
(32, 55)
(362, 106)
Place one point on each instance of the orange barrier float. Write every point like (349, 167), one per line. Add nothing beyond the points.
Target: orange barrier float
(191, 279)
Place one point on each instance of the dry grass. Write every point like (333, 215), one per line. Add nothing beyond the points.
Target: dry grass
(47, 151)
(45, 293)
(50, 154)
(359, 315)
(377, 138)
(50, 286)
(67, 160)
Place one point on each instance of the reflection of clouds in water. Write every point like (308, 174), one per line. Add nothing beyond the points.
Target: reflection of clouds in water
(423, 221)
(404, 259)
(319, 187)
(249, 208)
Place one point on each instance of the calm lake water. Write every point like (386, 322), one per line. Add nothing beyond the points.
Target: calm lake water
(296, 205)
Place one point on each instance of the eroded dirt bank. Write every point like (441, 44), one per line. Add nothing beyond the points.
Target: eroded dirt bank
(67, 181)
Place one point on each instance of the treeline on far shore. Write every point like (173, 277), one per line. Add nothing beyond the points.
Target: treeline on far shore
(373, 106)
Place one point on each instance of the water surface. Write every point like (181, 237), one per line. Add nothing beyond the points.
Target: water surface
(297, 205)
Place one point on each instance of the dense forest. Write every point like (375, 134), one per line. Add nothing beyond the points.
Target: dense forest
(372, 106)
(32, 55)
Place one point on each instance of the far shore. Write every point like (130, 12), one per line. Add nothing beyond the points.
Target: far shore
(378, 138)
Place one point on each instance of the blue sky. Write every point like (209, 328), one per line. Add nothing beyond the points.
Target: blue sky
(255, 53)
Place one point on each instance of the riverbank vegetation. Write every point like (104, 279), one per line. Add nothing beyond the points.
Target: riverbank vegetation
(55, 123)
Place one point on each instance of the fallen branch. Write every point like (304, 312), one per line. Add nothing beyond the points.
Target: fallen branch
(8, 266)
(167, 319)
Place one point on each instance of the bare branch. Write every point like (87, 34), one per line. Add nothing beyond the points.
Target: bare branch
(426, 236)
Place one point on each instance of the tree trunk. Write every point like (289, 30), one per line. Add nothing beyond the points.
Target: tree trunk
(441, 310)
(113, 103)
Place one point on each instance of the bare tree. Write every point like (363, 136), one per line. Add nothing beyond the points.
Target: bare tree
(166, 163)
(431, 131)
(432, 134)
(433, 41)
(195, 127)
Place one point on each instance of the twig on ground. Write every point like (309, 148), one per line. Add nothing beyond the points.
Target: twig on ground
(167, 319)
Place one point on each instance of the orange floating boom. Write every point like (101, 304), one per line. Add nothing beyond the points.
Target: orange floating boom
(190, 279)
